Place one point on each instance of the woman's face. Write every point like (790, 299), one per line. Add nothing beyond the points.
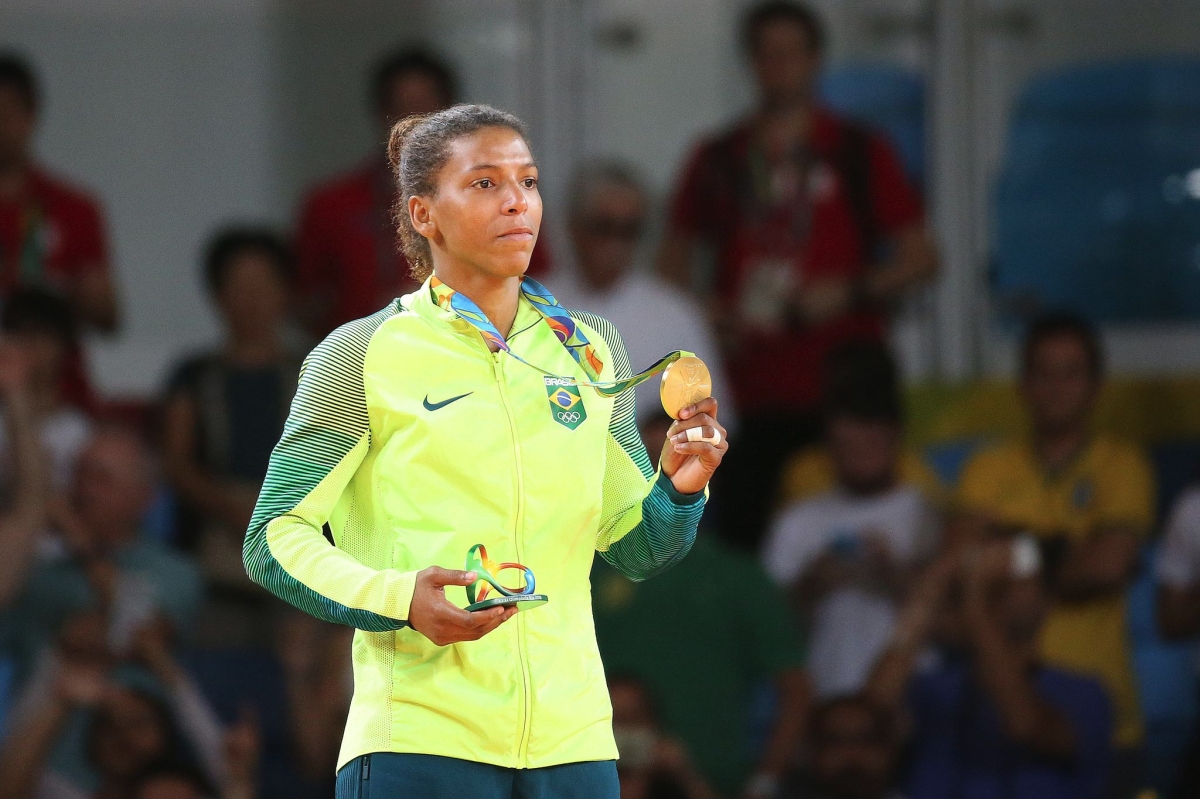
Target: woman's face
(486, 212)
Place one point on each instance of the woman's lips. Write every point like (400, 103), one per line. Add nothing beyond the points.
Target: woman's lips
(518, 234)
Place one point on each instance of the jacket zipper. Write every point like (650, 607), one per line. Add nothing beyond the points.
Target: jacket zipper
(523, 739)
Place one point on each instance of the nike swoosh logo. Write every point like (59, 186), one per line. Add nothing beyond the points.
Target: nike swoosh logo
(433, 406)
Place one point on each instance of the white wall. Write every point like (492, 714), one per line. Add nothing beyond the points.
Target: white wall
(504, 57)
(185, 114)
(650, 100)
(325, 53)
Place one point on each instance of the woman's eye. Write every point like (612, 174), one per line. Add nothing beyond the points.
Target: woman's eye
(484, 184)
(530, 182)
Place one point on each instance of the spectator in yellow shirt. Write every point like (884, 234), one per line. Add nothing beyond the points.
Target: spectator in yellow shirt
(1090, 500)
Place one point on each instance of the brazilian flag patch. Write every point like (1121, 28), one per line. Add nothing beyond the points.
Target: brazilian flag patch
(566, 406)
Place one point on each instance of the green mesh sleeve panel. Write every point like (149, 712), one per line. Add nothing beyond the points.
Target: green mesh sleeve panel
(623, 427)
(325, 438)
(646, 527)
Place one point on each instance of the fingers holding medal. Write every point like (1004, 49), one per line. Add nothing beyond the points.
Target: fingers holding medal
(685, 391)
(697, 430)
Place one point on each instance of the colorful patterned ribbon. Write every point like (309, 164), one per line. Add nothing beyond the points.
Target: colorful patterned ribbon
(564, 328)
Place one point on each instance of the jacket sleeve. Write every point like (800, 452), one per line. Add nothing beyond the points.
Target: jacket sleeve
(325, 438)
(646, 525)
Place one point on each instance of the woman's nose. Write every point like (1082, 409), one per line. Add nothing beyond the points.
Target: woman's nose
(516, 203)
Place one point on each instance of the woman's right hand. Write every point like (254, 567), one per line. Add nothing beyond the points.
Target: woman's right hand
(442, 622)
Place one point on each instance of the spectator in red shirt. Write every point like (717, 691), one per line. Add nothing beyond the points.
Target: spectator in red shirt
(51, 233)
(811, 228)
(348, 263)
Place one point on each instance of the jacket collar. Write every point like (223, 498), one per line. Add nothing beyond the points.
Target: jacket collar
(422, 303)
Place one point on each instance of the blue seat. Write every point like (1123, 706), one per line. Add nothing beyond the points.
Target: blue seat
(1097, 205)
(1176, 466)
(159, 524)
(948, 459)
(7, 674)
(888, 98)
(1166, 678)
(1166, 670)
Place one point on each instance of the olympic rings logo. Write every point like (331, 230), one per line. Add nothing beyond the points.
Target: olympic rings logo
(567, 416)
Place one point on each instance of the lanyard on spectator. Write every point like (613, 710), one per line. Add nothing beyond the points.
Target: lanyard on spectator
(31, 249)
(26, 266)
(786, 218)
(560, 322)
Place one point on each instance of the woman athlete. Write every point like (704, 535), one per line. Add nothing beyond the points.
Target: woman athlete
(439, 423)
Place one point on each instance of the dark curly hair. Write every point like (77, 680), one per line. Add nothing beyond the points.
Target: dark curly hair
(1056, 324)
(766, 13)
(16, 73)
(407, 62)
(417, 149)
(230, 242)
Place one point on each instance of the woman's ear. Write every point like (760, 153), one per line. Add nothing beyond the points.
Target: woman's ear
(422, 219)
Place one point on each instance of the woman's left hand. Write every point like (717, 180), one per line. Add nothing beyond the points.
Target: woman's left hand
(690, 464)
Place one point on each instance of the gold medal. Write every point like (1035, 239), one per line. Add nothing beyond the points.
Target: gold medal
(684, 383)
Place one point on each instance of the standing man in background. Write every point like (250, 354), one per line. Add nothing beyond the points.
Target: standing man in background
(51, 233)
(810, 229)
(347, 263)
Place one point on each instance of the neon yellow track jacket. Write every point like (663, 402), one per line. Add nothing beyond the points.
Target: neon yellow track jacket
(409, 441)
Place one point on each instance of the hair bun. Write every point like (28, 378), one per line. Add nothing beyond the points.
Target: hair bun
(400, 133)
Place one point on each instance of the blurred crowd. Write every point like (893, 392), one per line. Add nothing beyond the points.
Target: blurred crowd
(847, 626)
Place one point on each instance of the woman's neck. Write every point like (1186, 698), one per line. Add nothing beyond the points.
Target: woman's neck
(783, 128)
(497, 297)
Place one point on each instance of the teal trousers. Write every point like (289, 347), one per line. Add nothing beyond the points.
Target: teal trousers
(387, 775)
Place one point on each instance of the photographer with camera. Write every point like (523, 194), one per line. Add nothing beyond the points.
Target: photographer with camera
(986, 717)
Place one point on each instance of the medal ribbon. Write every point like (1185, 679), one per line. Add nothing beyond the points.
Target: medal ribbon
(564, 328)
